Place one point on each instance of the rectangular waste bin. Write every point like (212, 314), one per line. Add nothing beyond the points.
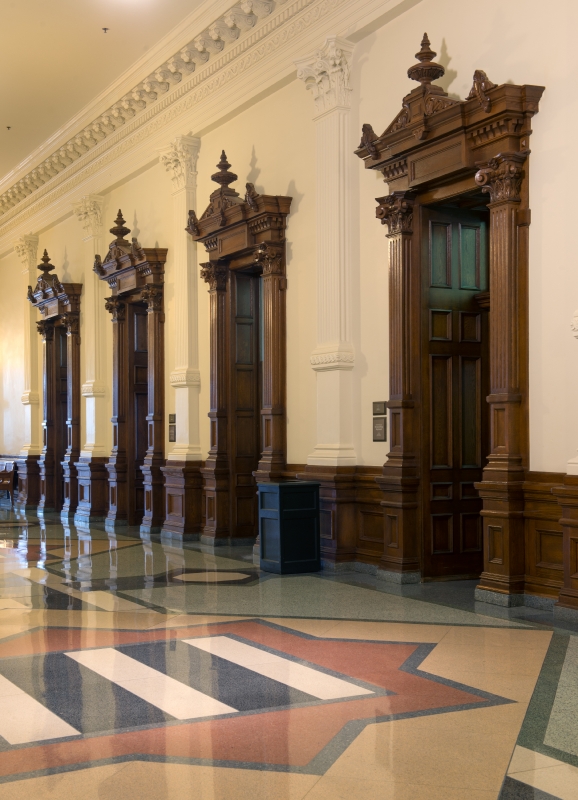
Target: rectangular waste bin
(289, 526)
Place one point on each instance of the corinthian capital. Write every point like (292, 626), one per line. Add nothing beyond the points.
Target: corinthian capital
(396, 211)
(180, 161)
(27, 250)
(88, 211)
(326, 74)
(501, 177)
(215, 275)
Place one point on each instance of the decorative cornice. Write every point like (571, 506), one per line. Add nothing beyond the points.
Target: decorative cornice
(183, 378)
(88, 211)
(396, 211)
(333, 356)
(501, 177)
(27, 251)
(224, 31)
(326, 74)
(180, 161)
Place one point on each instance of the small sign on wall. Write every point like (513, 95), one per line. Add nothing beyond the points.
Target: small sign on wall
(380, 421)
(172, 428)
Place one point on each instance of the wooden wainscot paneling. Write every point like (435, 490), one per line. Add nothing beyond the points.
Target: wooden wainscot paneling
(567, 497)
(544, 551)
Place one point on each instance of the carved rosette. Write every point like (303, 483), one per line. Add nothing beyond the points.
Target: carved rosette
(153, 297)
(270, 257)
(396, 211)
(215, 275)
(501, 177)
(115, 307)
(46, 329)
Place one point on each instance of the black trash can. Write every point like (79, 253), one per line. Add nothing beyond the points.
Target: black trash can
(289, 527)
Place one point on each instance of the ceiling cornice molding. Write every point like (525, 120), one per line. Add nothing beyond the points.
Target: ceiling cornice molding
(257, 60)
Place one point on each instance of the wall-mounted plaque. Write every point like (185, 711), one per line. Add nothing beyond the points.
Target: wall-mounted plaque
(380, 429)
(172, 419)
(172, 433)
(380, 409)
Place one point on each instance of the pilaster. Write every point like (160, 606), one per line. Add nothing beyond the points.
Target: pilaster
(501, 488)
(326, 74)
(183, 494)
(28, 481)
(92, 476)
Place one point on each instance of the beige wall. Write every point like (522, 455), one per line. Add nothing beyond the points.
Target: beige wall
(272, 144)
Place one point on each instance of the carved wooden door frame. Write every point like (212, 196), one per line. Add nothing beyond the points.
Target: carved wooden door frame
(435, 149)
(135, 274)
(59, 307)
(243, 234)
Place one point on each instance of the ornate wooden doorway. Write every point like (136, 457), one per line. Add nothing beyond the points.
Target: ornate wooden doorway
(59, 306)
(437, 157)
(135, 275)
(244, 238)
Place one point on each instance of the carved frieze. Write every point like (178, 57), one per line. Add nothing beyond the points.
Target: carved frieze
(396, 211)
(501, 177)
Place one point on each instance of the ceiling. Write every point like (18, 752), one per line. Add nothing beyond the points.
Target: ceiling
(55, 58)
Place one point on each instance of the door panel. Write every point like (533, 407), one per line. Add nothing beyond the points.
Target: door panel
(455, 380)
(61, 428)
(138, 426)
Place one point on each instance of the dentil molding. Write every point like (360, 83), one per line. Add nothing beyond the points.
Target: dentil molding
(180, 161)
(326, 74)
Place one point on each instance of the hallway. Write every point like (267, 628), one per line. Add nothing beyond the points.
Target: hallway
(134, 668)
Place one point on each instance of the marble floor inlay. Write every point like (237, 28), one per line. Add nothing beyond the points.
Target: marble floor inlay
(141, 667)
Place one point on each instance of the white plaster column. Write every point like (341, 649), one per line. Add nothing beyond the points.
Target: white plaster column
(180, 161)
(326, 74)
(27, 250)
(97, 426)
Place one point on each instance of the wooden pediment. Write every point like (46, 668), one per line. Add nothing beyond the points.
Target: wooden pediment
(128, 267)
(233, 227)
(435, 136)
(51, 297)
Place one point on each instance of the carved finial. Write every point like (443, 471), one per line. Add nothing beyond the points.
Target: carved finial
(427, 70)
(119, 231)
(223, 176)
(46, 266)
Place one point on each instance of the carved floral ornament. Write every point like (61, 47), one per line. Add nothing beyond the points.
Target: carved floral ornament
(46, 329)
(89, 213)
(396, 211)
(153, 297)
(326, 74)
(501, 177)
(115, 307)
(215, 275)
(180, 161)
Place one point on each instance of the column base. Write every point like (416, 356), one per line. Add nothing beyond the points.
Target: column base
(216, 542)
(92, 489)
(183, 500)
(503, 599)
(28, 481)
(566, 613)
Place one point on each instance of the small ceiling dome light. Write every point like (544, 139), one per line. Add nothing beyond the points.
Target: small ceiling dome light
(106, 29)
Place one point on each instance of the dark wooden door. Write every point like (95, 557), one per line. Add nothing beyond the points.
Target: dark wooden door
(138, 409)
(245, 401)
(61, 414)
(455, 380)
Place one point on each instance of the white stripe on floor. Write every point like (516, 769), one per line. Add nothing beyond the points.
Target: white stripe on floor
(171, 696)
(23, 719)
(313, 682)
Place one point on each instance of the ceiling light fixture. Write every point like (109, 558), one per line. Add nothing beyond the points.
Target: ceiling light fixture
(106, 29)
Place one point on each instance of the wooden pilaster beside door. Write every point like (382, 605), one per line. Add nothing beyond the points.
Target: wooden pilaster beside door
(46, 464)
(71, 323)
(399, 481)
(116, 465)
